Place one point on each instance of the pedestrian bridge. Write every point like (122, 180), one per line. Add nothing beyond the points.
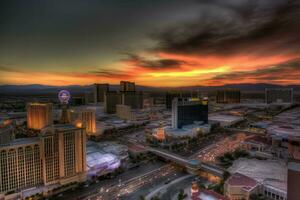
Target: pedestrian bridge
(192, 166)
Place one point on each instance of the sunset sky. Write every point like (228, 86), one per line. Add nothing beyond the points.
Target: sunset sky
(151, 42)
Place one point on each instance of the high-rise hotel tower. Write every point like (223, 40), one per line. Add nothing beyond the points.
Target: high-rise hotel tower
(39, 115)
(55, 158)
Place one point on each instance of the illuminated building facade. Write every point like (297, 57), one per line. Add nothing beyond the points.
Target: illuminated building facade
(39, 115)
(85, 118)
(57, 157)
(65, 115)
(239, 186)
(126, 86)
(99, 91)
(160, 134)
(187, 111)
(228, 96)
(65, 154)
(20, 165)
(88, 118)
(279, 95)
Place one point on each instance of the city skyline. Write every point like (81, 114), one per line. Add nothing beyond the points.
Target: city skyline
(157, 43)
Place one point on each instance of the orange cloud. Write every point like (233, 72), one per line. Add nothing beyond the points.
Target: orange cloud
(172, 70)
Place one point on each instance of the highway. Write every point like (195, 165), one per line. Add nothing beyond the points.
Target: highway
(132, 185)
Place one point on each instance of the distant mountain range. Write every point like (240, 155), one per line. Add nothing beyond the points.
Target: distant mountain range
(44, 89)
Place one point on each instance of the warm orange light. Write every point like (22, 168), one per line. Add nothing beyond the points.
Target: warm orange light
(78, 124)
(193, 70)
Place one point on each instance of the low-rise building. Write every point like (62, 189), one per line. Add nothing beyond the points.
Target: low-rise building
(271, 175)
(239, 186)
(224, 120)
(284, 128)
(105, 157)
(258, 146)
(127, 113)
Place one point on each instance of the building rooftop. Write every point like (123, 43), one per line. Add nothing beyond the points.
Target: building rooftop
(238, 179)
(290, 116)
(224, 118)
(272, 173)
(107, 147)
(261, 124)
(98, 160)
(22, 141)
(104, 157)
(257, 139)
(64, 126)
(283, 131)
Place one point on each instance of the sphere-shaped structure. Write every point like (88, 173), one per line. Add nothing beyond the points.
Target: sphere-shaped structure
(64, 96)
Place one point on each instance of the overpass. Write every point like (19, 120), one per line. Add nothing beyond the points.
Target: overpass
(192, 165)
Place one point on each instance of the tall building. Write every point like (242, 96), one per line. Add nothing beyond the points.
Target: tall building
(85, 118)
(64, 154)
(126, 86)
(89, 97)
(186, 111)
(39, 115)
(228, 96)
(65, 115)
(55, 158)
(279, 95)
(20, 165)
(170, 96)
(111, 99)
(99, 92)
(133, 99)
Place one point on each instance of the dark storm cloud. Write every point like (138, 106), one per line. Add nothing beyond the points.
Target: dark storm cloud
(75, 33)
(289, 70)
(110, 73)
(157, 64)
(233, 27)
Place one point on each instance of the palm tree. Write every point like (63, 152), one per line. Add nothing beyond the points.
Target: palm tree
(181, 195)
(155, 198)
(142, 197)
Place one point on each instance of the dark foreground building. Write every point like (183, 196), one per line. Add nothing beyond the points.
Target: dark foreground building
(186, 111)
(99, 92)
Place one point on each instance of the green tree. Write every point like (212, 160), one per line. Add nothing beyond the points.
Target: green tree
(142, 197)
(181, 195)
(155, 198)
